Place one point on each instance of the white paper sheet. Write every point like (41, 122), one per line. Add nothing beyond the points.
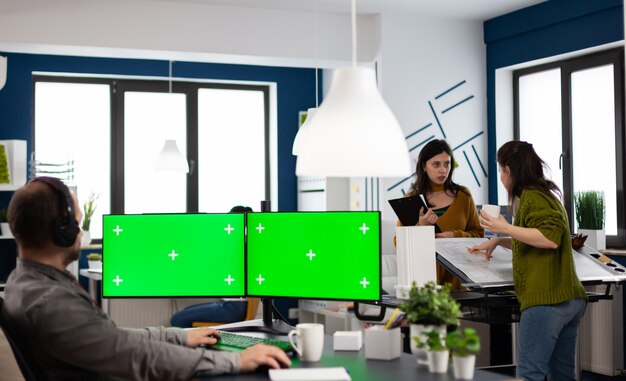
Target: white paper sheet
(309, 374)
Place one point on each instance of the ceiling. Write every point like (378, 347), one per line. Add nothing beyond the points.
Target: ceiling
(451, 9)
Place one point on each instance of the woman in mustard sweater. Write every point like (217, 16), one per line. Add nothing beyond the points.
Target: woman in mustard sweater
(551, 297)
(450, 205)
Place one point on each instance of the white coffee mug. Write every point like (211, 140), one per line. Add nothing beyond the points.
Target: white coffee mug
(310, 341)
(492, 210)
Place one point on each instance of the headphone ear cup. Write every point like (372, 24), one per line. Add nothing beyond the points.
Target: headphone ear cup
(65, 232)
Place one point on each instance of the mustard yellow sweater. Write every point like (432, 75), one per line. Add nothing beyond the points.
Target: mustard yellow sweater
(461, 217)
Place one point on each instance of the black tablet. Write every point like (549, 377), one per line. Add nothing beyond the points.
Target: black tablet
(408, 210)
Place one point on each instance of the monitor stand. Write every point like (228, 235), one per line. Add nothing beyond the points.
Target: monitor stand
(270, 325)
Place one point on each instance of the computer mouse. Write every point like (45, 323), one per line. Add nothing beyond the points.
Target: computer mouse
(266, 368)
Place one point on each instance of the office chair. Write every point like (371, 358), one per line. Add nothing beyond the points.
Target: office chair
(251, 308)
(29, 368)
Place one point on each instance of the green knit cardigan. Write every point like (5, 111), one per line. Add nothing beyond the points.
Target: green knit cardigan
(544, 276)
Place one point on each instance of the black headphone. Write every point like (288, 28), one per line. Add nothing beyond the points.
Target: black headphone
(65, 229)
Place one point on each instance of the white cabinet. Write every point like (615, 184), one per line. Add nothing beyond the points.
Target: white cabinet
(323, 194)
(16, 160)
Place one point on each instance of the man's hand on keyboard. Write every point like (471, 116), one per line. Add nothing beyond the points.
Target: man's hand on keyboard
(202, 336)
(262, 354)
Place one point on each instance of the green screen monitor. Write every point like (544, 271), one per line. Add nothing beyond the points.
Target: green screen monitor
(173, 255)
(318, 255)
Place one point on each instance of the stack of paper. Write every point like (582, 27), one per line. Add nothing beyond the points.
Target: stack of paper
(310, 374)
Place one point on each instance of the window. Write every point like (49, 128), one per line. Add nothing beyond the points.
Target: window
(73, 123)
(113, 130)
(572, 113)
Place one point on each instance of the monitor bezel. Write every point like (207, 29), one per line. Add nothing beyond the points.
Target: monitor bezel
(215, 296)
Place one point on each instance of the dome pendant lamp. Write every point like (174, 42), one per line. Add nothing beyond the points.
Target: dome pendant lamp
(170, 158)
(354, 133)
(302, 131)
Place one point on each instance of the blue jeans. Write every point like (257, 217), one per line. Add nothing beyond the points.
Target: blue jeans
(547, 341)
(222, 312)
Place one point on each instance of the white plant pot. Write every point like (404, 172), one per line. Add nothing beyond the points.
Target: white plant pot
(595, 238)
(438, 361)
(463, 366)
(5, 229)
(419, 330)
(94, 264)
(85, 240)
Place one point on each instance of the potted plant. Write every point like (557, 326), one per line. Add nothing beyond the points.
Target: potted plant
(4, 224)
(464, 347)
(590, 214)
(437, 351)
(89, 207)
(94, 260)
(429, 307)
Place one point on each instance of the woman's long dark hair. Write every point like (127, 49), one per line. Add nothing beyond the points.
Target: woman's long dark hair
(526, 168)
(422, 183)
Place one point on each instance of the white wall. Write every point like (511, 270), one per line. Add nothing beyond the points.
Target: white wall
(182, 31)
(420, 59)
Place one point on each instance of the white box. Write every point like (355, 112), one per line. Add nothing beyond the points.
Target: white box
(347, 340)
(416, 259)
(382, 344)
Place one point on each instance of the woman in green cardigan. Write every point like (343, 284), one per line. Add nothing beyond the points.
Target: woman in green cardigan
(552, 299)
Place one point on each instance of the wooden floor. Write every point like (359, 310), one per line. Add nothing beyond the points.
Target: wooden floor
(8, 366)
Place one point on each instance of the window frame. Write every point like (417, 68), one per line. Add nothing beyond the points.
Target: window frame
(118, 88)
(613, 57)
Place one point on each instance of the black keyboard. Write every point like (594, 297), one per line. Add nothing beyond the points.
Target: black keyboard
(233, 342)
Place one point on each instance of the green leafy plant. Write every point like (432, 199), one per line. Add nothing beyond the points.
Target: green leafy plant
(3, 215)
(434, 341)
(94, 257)
(4, 166)
(431, 305)
(89, 207)
(590, 209)
(463, 344)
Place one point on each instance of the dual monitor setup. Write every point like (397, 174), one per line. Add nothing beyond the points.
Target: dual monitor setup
(318, 255)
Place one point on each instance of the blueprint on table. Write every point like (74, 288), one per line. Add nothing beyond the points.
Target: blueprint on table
(498, 271)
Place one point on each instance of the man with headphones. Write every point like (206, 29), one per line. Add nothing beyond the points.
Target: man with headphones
(64, 330)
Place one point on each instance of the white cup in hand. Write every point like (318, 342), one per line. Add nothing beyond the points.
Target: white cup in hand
(309, 341)
(492, 210)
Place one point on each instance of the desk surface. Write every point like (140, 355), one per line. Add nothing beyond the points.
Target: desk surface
(361, 369)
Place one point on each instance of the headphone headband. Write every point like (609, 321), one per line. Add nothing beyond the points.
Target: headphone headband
(65, 226)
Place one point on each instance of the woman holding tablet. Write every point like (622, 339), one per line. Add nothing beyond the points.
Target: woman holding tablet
(552, 299)
(450, 205)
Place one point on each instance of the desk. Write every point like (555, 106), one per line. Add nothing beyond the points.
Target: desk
(93, 278)
(403, 368)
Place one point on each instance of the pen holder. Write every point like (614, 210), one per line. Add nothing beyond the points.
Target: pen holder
(382, 344)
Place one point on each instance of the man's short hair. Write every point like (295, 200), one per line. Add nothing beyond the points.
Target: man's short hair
(32, 212)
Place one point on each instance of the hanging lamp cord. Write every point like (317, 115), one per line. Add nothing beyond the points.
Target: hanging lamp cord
(316, 65)
(170, 77)
(353, 33)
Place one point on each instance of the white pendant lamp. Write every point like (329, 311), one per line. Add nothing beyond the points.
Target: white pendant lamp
(170, 158)
(302, 131)
(354, 133)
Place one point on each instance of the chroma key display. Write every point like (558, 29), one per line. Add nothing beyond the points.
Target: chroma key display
(320, 255)
(173, 255)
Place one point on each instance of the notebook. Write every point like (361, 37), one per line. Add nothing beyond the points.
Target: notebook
(408, 210)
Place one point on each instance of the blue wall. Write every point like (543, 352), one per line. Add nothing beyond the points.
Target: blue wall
(544, 30)
(295, 92)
